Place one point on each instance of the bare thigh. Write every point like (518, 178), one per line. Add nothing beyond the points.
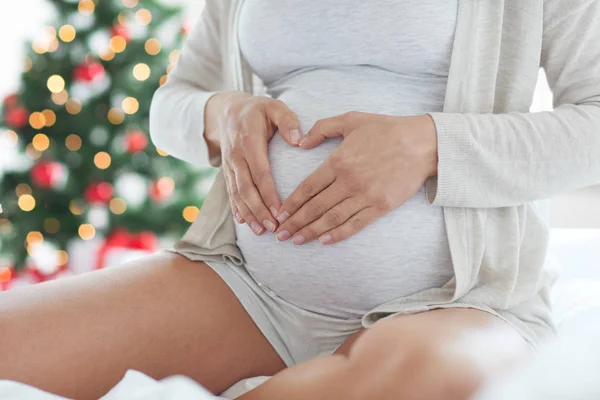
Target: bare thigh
(440, 354)
(162, 315)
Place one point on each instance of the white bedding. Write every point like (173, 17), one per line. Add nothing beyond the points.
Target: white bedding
(567, 369)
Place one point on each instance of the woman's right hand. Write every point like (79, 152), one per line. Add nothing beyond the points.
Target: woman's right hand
(241, 126)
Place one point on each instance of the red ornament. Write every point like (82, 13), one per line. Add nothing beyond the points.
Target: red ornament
(121, 238)
(34, 275)
(88, 72)
(6, 275)
(48, 174)
(11, 101)
(135, 141)
(161, 189)
(120, 30)
(16, 117)
(145, 240)
(99, 193)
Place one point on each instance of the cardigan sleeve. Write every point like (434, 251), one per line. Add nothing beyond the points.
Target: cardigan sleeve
(177, 110)
(501, 160)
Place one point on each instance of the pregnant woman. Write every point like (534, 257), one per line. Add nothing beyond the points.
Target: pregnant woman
(373, 231)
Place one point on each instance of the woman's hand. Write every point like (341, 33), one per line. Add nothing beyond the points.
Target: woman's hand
(381, 163)
(241, 125)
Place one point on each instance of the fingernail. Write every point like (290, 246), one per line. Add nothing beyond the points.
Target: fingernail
(283, 236)
(283, 217)
(273, 212)
(269, 225)
(301, 141)
(295, 136)
(298, 239)
(239, 218)
(326, 238)
(256, 227)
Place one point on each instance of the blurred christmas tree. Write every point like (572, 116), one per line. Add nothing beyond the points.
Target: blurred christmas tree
(77, 134)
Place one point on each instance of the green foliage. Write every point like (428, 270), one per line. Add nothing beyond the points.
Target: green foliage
(97, 133)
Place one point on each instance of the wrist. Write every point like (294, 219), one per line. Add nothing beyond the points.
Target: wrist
(430, 134)
(216, 107)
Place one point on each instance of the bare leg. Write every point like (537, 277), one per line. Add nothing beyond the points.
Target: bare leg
(441, 354)
(162, 315)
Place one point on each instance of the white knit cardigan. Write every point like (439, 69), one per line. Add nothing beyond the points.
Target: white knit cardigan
(495, 157)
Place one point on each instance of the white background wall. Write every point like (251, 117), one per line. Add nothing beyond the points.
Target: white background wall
(20, 19)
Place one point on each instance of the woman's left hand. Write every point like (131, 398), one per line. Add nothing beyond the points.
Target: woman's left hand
(381, 163)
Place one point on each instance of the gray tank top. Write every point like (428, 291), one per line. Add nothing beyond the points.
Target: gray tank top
(324, 58)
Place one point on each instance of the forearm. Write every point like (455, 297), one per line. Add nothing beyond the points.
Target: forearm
(211, 129)
(502, 160)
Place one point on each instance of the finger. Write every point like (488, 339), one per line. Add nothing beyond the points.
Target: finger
(331, 127)
(311, 211)
(285, 120)
(251, 197)
(332, 219)
(316, 182)
(260, 170)
(353, 225)
(243, 215)
(236, 213)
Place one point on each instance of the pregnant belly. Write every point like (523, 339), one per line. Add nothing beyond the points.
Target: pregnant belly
(400, 254)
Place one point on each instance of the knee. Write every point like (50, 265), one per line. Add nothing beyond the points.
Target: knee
(391, 361)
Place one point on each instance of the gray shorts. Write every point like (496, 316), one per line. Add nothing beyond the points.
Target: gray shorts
(296, 334)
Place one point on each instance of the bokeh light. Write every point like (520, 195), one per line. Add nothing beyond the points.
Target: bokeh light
(163, 80)
(152, 46)
(34, 237)
(108, 55)
(37, 120)
(118, 206)
(102, 160)
(53, 45)
(190, 213)
(63, 257)
(141, 72)
(75, 207)
(86, 7)
(50, 117)
(174, 57)
(26, 202)
(130, 105)
(116, 116)
(73, 142)
(56, 84)
(118, 44)
(122, 18)
(5, 274)
(143, 16)
(73, 106)
(12, 137)
(40, 142)
(86, 231)
(67, 33)
(22, 188)
(60, 98)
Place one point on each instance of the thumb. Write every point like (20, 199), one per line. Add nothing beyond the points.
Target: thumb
(326, 128)
(286, 121)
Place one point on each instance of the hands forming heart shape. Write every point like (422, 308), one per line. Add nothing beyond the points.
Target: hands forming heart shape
(381, 163)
